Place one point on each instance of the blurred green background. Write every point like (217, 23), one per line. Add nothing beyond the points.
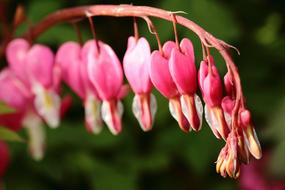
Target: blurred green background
(164, 158)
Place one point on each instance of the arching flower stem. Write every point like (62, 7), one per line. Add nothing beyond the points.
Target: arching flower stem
(144, 12)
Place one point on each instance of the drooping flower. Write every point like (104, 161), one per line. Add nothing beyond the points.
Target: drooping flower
(106, 74)
(228, 161)
(34, 66)
(30, 84)
(162, 80)
(183, 71)
(211, 88)
(136, 61)
(16, 95)
(244, 122)
(71, 59)
(249, 133)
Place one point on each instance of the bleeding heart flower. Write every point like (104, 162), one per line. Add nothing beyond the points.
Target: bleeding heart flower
(211, 88)
(71, 59)
(106, 74)
(162, 80)
(183, 72)
(34, 66)
(136, 61)
(249, 133)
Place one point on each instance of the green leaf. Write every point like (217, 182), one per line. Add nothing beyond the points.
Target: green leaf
(8, 135)
(4, 108)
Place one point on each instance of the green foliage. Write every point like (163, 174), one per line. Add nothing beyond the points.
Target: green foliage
(5, 109)
(9, 135)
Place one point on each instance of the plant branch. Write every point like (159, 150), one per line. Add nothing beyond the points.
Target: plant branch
(141, 11)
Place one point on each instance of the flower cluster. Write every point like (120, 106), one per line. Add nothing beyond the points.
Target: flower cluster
(31, 85)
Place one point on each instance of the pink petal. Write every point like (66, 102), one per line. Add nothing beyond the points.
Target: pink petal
(212, 90)
(202, 73)
(160, 75)
(136, 61)
(68, 58)
(111, 114)
(186, 47)
(144, 108)
(167, 48)
(39, 63)
(183, 71)
(16, 53)
(104, 70)
(123, 91)
(13, 92)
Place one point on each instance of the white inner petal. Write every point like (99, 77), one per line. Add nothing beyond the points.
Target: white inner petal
(136, 108)
(199, 108)
(36, 133)
(47, 104)
(92, 114)
(172, 110)
(228, 119)
(212, 122)
(153, 105)
(107, 115)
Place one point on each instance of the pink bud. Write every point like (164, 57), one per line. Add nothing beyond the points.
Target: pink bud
(16, 52)
(202, 73)
(136, 61)
(229, 85)
(212, 90)
(13, 92)
(245, 117)
(228, 105)
(39, 65)
(104, 70)
(159, 71)
(106, 74)
(69, 60)
(182, 67)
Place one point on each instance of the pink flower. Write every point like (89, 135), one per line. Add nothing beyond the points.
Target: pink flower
(70, 58)
(136, 61)
(211, 88)
(34, 66)
(30, 85)
(183, 72)
(106, 74)
(249, 133)
(162, 80)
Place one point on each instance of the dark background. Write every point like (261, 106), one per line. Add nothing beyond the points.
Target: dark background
(164, 158)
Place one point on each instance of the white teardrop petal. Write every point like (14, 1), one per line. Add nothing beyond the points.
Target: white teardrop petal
(172, 110)
(47, 104)
(92, 114)
(212, 122)
(153, 105)
(136, 108)
(228, 119)
(36, 134)
(107, 117)
(184, 107)
(199, 108)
